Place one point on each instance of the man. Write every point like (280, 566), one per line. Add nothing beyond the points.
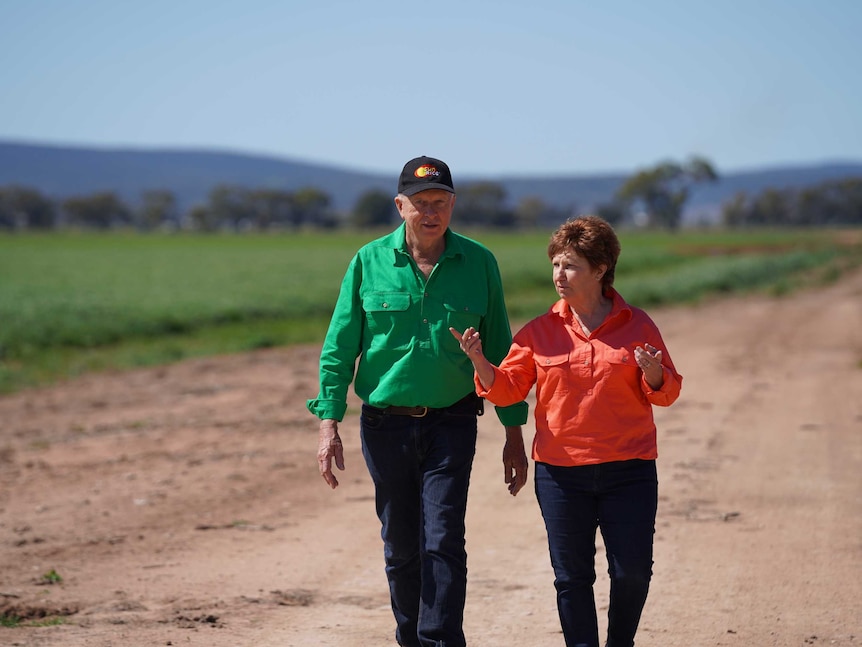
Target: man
(400, 295)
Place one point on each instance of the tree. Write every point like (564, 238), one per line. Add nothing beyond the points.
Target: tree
(613, 212)
(199, 218)
(771, 208)
(483, 203)
(312, 207)
(734, 212)
(373, 208)
(99, 210)
(835, 202)
(158, 208)
(532, 211)
(664, 189)
(850, 208)
(229, 206)
(529, 211)
(22, 207)
(272, 207)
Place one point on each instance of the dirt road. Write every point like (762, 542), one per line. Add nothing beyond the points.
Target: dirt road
(182, 505)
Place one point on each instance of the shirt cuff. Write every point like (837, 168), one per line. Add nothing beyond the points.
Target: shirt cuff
(327, 409)
(515, 415)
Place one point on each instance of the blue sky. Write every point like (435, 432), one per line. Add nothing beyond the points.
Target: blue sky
(541, 87)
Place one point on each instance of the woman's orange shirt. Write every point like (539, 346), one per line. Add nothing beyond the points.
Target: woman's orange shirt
(592, 402)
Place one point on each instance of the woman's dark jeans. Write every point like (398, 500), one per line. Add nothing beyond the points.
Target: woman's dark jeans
(421, 472)
(621, 499)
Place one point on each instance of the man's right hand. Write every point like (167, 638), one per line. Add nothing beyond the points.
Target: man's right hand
(329, 447)
(514, 460)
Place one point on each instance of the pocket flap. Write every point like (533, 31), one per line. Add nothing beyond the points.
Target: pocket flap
(464, 308)
(386, 302)
(550, 360)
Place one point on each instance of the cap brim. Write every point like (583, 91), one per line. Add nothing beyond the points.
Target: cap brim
(413, 190)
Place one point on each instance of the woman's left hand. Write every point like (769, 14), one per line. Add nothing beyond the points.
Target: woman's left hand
(649, 360)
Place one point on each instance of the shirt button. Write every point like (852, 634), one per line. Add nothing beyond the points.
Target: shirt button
(586, 362)
(547, 361)
(385, 305)
(424, 321)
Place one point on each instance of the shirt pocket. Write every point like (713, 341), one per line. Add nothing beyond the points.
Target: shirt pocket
(553, 372)
(621, 360)
(463, 313)
(383, 310)
(622, 380)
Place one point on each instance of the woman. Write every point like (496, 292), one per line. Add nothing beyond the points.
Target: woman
(599, 365)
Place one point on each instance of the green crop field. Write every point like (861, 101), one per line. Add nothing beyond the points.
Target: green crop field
(73, 302)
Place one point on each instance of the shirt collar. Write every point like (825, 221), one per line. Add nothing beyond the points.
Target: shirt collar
(619, 308)
(398, 240)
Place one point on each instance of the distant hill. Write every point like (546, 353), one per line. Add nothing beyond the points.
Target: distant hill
(63, 171)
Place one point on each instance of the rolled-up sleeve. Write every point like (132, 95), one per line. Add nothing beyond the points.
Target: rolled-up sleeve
(669, 391)
(496, 340)
(340, 348)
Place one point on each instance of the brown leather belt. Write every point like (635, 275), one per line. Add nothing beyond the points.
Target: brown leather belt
(415, 412)
(421, 412)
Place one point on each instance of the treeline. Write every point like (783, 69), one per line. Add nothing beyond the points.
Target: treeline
(227, 207)
(653, 197)
(236, 208)
(833, 203)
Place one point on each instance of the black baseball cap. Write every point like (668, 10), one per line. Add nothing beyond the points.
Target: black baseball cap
(422, 173)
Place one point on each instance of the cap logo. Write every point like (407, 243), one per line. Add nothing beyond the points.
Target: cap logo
(425, 170)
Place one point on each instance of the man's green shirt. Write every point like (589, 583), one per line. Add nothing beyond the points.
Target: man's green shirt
(397, 325)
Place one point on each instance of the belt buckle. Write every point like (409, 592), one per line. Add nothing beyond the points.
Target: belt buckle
(420, 415)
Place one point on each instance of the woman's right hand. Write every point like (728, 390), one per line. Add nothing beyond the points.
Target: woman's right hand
(469, 341)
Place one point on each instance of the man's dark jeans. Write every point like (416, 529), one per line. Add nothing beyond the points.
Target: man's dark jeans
(621, 499)
(421, 472)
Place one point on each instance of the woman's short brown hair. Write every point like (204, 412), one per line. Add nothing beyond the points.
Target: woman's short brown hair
(591, 237)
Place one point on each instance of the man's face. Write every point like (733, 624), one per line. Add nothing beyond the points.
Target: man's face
(427, 214)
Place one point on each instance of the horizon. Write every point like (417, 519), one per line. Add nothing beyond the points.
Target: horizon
(111, 148)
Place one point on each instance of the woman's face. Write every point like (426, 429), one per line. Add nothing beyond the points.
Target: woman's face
(574, 277)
